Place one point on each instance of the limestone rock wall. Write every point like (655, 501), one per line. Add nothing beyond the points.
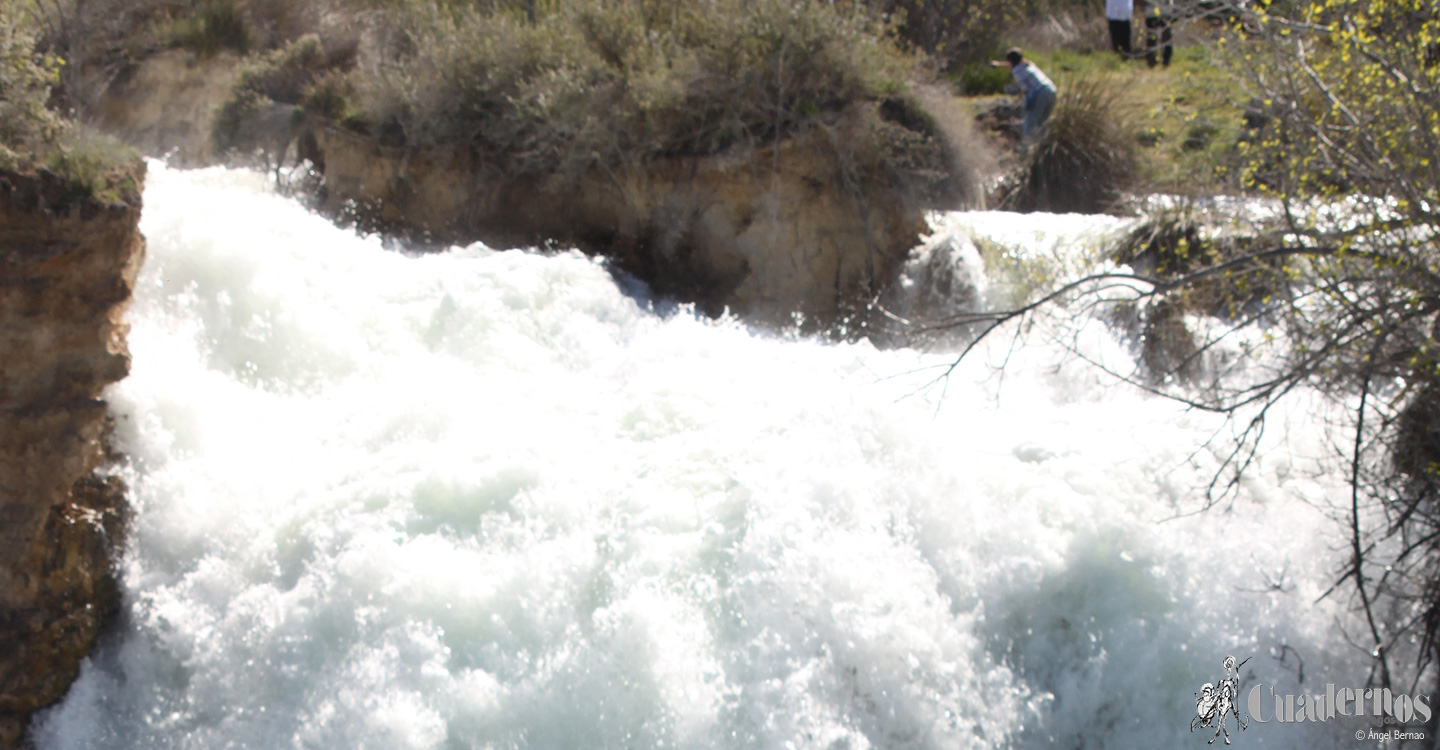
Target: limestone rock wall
(766, 233)
(67, 267)
(166, 106)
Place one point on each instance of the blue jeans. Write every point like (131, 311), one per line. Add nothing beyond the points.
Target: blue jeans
(1037, 111)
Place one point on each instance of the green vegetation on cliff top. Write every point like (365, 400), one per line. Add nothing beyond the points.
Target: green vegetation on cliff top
(604, 82)
(554, 87)
(536, 87)
(1184, 120)
(28, 128)
(33, 135)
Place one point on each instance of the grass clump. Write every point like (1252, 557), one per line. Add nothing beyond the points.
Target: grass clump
(91, 161)
(980, 79)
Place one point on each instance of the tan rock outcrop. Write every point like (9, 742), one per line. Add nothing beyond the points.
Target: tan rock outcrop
(166, 105)
(68, 263)
(767, 233)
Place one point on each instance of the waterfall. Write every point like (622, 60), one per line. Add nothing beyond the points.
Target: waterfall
(505, 499)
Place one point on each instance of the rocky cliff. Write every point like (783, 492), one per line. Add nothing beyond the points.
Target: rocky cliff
(68, 262)
(166, 106)
(767, 233)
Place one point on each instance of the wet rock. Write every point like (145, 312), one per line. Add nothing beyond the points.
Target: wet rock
(68, 262)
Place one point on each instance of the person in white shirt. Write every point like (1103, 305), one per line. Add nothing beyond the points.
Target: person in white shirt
(1118, 13)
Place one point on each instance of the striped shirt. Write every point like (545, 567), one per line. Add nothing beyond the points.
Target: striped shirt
(1031, 80)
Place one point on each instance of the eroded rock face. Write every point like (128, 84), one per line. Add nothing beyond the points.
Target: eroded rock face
(767, 233)
(804, 228)
(67, 267)
(166, 106)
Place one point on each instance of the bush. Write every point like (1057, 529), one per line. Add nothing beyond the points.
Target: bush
(104, 39)
(285, 75)
(608, 81)
(1176, 242)
(288, 76)
(1347, 145)
(1342, 302)
(536, 87)
(26, 125)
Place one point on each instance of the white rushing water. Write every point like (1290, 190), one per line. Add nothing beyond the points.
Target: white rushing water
(498, 499)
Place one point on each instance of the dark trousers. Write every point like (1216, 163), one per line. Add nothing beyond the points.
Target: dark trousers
(1120, 36)
(1157, 34)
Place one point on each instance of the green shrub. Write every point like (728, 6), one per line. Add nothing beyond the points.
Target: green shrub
(242, 106)
(297, 74)
(26, 125)
(541, 87)
(604, 81)
(284, 75)
(1199, 135)
(330, 97)
(1014, 275)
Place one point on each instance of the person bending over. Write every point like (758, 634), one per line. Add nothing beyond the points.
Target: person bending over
(1039, 91)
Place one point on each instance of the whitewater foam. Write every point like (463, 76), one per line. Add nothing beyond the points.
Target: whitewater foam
(500, 499)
